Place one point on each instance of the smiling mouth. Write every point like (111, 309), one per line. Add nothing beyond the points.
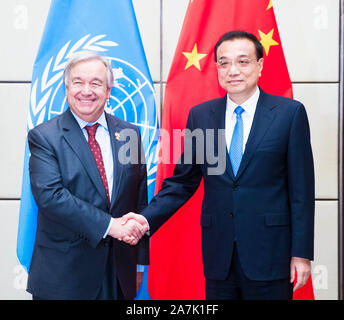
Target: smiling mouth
(86, 101)
(234, 81)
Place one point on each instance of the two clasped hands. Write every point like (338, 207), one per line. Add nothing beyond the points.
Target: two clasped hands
(130, 228)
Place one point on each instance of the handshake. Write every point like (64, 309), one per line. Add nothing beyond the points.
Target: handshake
(130, 228)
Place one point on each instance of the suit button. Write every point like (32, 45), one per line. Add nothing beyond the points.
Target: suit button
(235, 187)
(231, 214)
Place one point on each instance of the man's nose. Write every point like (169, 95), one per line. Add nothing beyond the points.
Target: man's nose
(233, 69)
(86, 89)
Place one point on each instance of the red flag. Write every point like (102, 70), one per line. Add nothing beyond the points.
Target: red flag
(176, 270)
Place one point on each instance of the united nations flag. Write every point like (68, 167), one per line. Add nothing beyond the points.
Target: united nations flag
(108, 27)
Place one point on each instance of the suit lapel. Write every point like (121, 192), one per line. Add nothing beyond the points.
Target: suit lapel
(262, 120)
(76, 139)
(219, 117)
(117, 166)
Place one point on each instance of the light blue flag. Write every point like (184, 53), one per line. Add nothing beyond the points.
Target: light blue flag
(108, 27)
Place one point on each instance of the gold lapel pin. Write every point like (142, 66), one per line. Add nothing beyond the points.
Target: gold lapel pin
(117, 135)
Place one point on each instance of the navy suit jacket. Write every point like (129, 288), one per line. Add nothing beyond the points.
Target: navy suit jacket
(268, 207)
(70, 253)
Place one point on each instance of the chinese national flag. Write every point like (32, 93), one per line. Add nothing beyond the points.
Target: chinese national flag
(176, 270)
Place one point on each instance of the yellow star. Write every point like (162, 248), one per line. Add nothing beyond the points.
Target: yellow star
(267, 41)
(193, 58)
(269, 5)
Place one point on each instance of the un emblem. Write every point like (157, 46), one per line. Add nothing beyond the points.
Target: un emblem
(132, 95)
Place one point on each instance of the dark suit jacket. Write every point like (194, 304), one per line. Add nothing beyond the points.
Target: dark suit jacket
(70, 253)
(268, 207)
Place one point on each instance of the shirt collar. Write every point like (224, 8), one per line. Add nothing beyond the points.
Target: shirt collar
(82, 123)
(249, 105)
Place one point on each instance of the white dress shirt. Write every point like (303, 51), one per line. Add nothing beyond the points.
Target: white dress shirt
(247, 117)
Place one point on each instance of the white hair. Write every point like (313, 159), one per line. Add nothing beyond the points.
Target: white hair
(87, 56)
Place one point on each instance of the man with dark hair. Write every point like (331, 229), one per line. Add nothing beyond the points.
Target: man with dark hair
(257, 217)
(240, 34)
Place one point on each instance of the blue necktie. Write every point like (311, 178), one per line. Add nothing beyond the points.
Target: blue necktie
(236, 147)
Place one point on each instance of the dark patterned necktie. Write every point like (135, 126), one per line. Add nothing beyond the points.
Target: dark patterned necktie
(97, 154)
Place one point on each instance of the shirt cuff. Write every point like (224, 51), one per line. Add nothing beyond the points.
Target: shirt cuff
(108, 228)
(140, 268)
